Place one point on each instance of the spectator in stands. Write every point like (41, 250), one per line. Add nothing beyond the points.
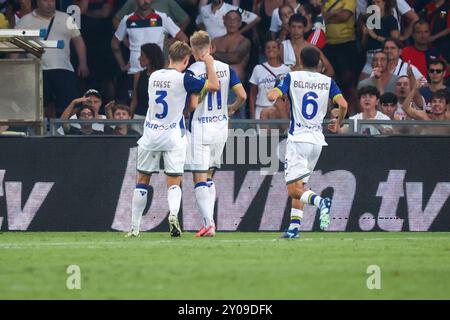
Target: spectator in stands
(23, 7)
(341, 50)
(396, 65)
(381, 78)
(85, 112)
(91, 98)
(280, 18)
(313, 33)
(265, 9)
(403, 87)
(438, 16)
(439, 105)
(59, 79)
(97, 32)
(212, 18)
(285, 12)
(151, 59)
(436, 74)
(402, 12)
(263, 79)
(420, 53)
(368, 100)
(233, 48)
(169, 7)
(142, 26)
(121, 112)
(290, 50)
(388, 105)
(373, 38)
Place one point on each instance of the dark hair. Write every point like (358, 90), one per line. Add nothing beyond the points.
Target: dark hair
(297, 17)
(368, 90)
(85, 106)
(420, 21)
(310, 57)
(234, 11)
(437, 61)
(388, 6)
(154, 54)
(310, 9)
(388, 97)
(397, 42)
(441, 94)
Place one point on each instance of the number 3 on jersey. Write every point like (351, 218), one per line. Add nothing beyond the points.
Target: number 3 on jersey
(160, 100)
(309, 99)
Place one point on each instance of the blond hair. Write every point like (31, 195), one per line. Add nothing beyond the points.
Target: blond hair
(178, 51)
(200, 40)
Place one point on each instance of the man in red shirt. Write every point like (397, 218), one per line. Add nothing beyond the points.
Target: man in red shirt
(437, 15)
(421, 53)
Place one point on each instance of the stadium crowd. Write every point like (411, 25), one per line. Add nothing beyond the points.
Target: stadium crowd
(394, 67)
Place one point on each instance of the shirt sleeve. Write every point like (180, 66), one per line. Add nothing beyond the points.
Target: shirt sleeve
(199, 19)
(403, 6)
(121, 29)
(254, 76)
(334, 90)
(170, 26)
(274, 21)
(234, 79)
(193, 84)
(283, 86)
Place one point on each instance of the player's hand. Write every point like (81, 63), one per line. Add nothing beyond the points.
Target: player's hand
(231, 111)
(206, 58)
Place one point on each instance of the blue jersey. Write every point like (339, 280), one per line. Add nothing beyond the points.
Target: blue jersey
(168, 91)
(208, 123)
(309, 93)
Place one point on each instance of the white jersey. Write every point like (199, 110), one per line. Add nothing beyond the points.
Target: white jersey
(168, 90)
(308, 94)
(208, 123)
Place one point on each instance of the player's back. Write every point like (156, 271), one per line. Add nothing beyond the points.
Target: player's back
(164, 127)
(309, 93)
(209, 122)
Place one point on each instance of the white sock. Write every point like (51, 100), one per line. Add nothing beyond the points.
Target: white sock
(202, 195)
(296, 216)
(138, 205)
(212, 199)
(174, 199)
(309, 197)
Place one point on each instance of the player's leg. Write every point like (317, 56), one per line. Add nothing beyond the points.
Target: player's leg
(174, 161)
(301, 159)
(147, 163)
(296, 214)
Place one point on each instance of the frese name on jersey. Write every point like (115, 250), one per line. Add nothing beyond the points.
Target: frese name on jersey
(219, 73)
(161, 84)
(311, 85)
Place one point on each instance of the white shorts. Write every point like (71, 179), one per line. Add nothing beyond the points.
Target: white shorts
(148, 161)
(202, 157)
(301, 158)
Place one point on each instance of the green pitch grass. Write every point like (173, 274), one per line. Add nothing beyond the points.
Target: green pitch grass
(230, 266)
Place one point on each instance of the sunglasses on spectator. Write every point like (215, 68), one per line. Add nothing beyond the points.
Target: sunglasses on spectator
(438, 71)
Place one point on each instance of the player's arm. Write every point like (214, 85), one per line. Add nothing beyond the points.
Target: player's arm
(280, 89)
(212, 84)
(241, 95)
(338, 98)
(411, 112)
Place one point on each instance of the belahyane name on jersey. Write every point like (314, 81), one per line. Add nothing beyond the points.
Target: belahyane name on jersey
(311, 85)
(161, 84)
(219, 73)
